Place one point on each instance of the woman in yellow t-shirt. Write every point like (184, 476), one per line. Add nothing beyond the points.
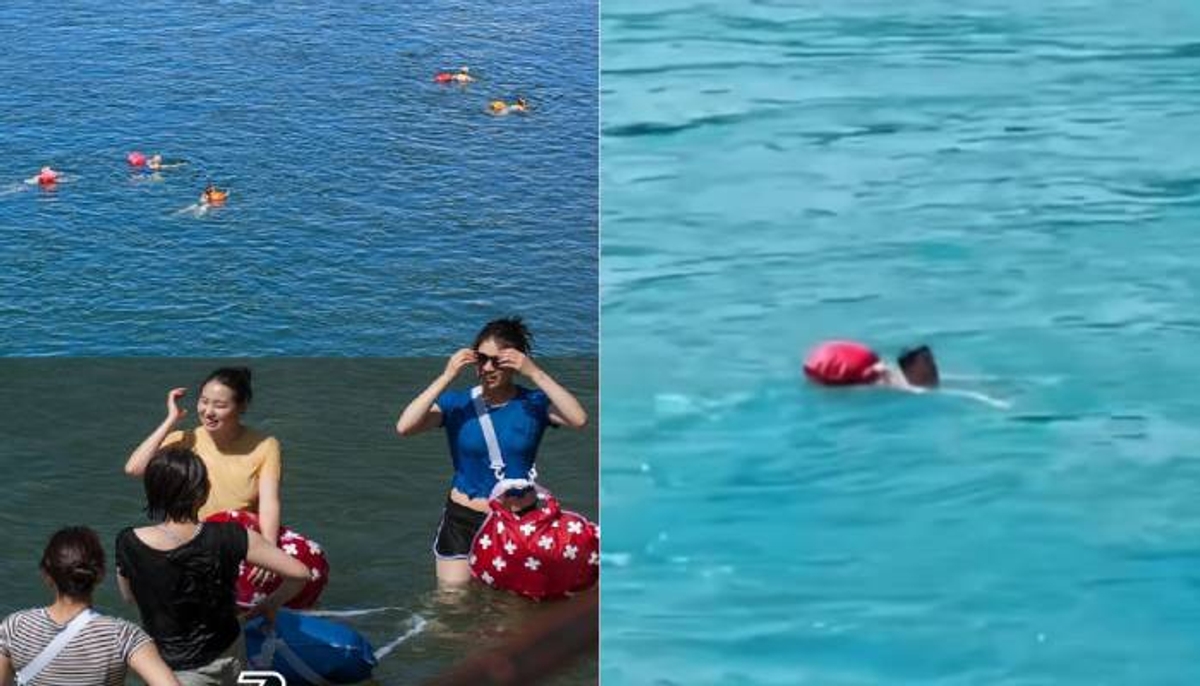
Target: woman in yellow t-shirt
(243, 464)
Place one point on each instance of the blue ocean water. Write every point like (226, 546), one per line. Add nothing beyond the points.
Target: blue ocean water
(1015, 184)
(373, 212)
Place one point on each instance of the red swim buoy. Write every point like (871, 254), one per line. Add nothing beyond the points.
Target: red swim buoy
(842, 363)
(290, 542)
(443, 77)
(136, 159)
(545, 553)
(47, 177)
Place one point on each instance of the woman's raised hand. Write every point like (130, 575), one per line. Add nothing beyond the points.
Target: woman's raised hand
(174, 411)
(519, 362)
(458, 360)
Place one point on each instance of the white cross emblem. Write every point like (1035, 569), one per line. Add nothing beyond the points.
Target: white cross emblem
(291, 549)
(499, 564)
(532, 563)
(315, 574)
(485, 542)
(570, 551)
(528, 529)
(313, 548)
(575, 527)
(546, 542)
(594, 558)
(499, 527)
(487, 578)
(510, 547)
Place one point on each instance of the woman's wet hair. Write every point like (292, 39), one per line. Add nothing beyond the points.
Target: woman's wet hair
(236, 379)
(509, 332)
(176, 483)
(74, 561)
(919, 367)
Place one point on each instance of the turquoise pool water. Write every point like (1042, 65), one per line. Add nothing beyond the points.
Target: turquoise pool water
(1015, 184)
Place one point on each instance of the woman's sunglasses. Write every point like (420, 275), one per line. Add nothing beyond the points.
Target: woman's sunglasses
(482, 360)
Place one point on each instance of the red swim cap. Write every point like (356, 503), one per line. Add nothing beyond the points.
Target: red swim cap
(842, 363)
(47, 177)
(136, 159)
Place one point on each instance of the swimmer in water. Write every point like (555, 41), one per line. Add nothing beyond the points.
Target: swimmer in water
(848, 363)
(48, 176)
(156, 163)
(463, 75)
(500, 107)
(213, 196)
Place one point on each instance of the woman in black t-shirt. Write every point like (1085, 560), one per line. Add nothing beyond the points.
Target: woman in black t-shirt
(183, 573)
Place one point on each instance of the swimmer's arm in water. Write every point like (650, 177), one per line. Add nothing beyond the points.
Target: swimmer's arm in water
(981, 397)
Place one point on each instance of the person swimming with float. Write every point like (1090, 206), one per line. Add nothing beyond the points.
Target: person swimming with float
(849, 363)
(463, 75)
(213, 196)
(500, 107)
(46, 177)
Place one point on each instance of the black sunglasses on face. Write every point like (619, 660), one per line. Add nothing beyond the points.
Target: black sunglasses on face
(482, 360)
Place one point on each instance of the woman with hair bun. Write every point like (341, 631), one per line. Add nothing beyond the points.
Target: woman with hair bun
(68, 643)
(517, 417)
(243, 464)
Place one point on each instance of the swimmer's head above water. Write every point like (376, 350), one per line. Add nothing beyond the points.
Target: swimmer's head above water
(919, 367)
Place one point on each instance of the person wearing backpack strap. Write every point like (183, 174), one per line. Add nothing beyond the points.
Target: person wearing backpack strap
(493, 429)
(68, 643)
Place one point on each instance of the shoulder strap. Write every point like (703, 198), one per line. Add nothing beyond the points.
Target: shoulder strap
(489, 436)
(55, 647)
(489, 432)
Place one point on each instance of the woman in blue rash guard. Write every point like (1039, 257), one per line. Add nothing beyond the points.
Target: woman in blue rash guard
(493, 429)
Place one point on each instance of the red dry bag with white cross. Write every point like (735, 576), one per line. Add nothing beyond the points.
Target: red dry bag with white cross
(547, 552)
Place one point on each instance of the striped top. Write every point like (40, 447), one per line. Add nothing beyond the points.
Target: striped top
(98, 656)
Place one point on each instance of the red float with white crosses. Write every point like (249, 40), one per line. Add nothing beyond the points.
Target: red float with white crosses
(547, 552)
(290, 542)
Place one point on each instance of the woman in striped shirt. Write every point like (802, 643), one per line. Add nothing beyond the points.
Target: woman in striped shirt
(99, 653)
